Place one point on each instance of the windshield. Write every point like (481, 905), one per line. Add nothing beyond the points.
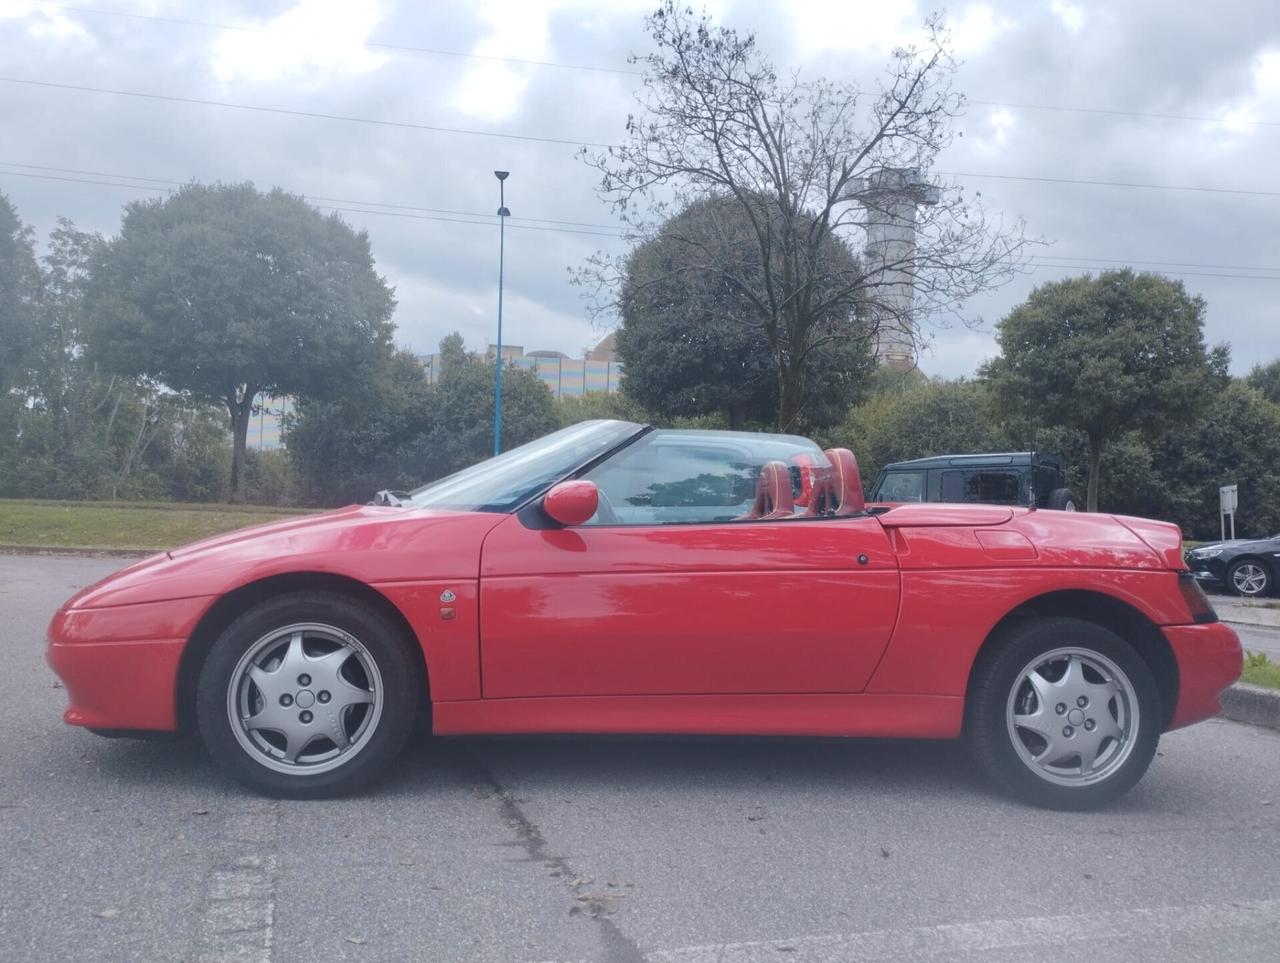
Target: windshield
(504, 482)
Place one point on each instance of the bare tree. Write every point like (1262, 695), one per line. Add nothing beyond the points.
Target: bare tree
(805, 160)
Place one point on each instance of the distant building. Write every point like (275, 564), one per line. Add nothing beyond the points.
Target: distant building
(569, 377)
(606, 350)
(892, 197)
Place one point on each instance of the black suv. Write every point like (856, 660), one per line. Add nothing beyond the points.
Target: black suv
(1009, 478)
(1246, 566)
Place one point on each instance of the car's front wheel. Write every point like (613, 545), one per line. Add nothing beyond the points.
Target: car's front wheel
(308, 695)
(1063, 713)
(1249, 578)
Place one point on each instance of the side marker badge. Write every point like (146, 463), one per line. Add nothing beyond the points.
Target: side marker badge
(447, 596)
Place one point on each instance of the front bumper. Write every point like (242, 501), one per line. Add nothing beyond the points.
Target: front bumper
(1209, 659)
(119, 664)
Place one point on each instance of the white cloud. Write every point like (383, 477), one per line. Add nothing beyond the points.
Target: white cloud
(42, 19)
(995, 135)
(875, 29)
(1240, 117)
(518, 29)
(315, 40)
(821, 25)
(958, 351)
(1072, 15)
(1148, 56)
(975, 29)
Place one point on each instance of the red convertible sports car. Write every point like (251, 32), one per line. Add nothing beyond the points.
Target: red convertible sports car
(613, 578)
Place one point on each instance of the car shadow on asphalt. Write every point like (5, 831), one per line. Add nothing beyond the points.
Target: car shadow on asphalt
(588, 763)
(172, 762)
(631, 764)
(872, 771)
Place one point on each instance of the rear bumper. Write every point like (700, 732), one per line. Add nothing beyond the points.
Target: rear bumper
(1209, 659)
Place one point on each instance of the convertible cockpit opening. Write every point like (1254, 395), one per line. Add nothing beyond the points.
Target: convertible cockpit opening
(673, 477)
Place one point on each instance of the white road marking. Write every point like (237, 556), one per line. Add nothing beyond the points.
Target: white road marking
(955, 939)
(239, 912)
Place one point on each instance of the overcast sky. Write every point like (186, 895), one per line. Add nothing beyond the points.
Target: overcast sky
(1211, 70)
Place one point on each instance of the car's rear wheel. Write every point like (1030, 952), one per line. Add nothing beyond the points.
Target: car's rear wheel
(1249, 578)
(308, 695)
(1063, 713)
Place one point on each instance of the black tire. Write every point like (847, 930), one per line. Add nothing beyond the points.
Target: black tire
(1250, 587)
(1063, 500)
(999, 682)
(381, 735)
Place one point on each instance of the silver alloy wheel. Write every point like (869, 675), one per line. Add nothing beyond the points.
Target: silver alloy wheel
(1072, 716)
(305, 698)
(1249, 578)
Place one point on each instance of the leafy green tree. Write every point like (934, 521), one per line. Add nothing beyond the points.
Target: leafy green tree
(196, 455)
(931, 417)
(75, 423)
(83, 433)
(802, 159)
(689, 340)
(461, 429)
(348, 447)
(19, 292)
(1105, 355)
(1236, 440)
(397, 431)
(1266, 378)
(226, 293)
(1127, 483)
(597, 405)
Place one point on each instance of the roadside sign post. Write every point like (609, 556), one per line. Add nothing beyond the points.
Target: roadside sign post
(1227, 502)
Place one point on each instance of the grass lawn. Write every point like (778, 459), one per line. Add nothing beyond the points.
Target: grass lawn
(1260, 670)
(150, 526)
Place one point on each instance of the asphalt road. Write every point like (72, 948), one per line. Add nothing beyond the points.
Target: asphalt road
(1259, 638)
(1255, 638)
(615, 850)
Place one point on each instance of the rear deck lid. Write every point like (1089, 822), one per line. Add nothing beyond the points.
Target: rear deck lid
(936, 515)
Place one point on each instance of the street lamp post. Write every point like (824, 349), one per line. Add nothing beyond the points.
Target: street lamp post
(503, 214)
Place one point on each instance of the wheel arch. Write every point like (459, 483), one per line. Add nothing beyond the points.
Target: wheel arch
(233, 603)
(1110, 613)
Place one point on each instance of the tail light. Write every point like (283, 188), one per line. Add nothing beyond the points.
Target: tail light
(1197, 602)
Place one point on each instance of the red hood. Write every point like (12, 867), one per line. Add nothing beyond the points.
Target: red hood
(367, 543)
(338, 516)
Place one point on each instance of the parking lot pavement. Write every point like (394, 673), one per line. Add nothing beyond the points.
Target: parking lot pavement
(618, 850)
(1259, 638)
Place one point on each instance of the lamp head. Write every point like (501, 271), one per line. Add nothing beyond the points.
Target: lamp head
(501, 175)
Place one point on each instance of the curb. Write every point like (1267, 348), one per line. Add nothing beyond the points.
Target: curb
(1252, 704)
(69, 551)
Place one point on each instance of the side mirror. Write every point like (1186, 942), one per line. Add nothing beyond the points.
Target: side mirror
(572, 502)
